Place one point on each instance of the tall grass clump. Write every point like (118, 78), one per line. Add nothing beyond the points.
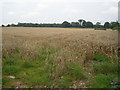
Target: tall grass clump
(102, 81)
(11, 66)
(100, 57)
(34, 79)
(105, 68)
(75, 70)
(65, 81)
(11, 70)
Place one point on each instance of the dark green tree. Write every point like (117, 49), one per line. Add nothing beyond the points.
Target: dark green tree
(98, 25)
(107, 25)
(80, 22)
(114, 24)
(66, 24)
(89, 24)
(75, 24)
(3, 25)
(84, 24)
(8, 25)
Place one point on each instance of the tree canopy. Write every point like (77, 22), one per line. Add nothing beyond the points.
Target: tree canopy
(80, 24)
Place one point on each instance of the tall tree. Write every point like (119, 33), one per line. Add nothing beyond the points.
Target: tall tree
(114, 24)
(107, 25)
(3, 25)
(80, 21)
(98, 25)
(89, 24)
(75, 24)
(84, 24)
(66, 24)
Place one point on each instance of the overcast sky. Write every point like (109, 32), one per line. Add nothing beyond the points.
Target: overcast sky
(57, 11)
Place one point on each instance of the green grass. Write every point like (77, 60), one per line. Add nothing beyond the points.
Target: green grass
(75, 70)
(65, 81)
(11, 70)
(7, 83)
(105, 68)
(100, 57)
(35, 78)
(102, 81)
(41, 71)
(27, 64)
(33, 72)
(47, 50)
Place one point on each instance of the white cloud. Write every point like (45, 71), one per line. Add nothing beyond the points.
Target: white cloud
(42, 5)
(11, 13)
(58, 1)
(72, 11)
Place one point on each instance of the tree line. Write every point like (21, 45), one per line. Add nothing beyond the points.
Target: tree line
(79, 24)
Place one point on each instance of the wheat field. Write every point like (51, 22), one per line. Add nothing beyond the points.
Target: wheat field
(80, 40)
(75, 44)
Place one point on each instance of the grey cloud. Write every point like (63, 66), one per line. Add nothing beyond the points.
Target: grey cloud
(49, 11)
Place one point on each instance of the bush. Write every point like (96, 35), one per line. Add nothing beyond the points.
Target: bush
(100, 57)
